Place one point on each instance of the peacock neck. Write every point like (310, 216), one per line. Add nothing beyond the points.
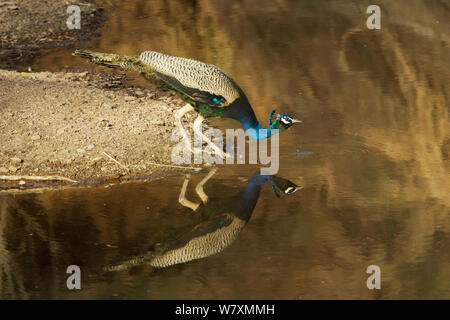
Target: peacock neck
(242, 111)
(256, 131)
(248, 198)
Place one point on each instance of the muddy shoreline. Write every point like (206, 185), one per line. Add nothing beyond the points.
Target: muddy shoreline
(28, 27)
(74, 128)
(80, 126)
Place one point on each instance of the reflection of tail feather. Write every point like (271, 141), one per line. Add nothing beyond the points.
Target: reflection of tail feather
(201, 246)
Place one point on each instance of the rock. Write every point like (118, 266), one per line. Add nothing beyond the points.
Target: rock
(157, 122)
(81, 151)
(9, 6)
(12, 169)
(35, 137)
(3, 170)
(110, 106)
(60, 131)
(22, 182)
(16, 160)
(90, 147)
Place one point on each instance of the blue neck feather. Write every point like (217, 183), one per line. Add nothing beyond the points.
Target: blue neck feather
(249, 196)
(256, 131)
(243, 112)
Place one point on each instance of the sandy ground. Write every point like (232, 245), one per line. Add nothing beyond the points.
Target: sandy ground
(63, 123)
(28, 26)
(80, 127)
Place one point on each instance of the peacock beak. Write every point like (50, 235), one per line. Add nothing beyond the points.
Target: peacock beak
(296, 120)
(296, 188)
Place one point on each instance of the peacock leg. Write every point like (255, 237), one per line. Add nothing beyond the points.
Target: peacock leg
(178, 115)
(199, 188)
(198, 129)
(182, 199)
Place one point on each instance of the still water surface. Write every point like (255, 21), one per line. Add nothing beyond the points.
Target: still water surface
(371, 158)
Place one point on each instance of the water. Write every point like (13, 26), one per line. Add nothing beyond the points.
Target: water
(371, 156)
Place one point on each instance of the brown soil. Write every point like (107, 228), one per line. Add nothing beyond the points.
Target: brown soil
(74, 126)
(62, 123)
(28, 26)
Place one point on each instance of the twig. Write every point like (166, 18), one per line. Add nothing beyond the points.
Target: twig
(39, 178)
(172, 166)
(123, 166)
(75, 3)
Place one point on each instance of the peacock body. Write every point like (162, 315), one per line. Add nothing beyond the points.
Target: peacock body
(207, 88)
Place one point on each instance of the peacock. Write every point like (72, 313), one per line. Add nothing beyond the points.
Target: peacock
(207, 89)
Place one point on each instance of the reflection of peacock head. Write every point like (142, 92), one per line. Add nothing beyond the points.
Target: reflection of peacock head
(283, 186)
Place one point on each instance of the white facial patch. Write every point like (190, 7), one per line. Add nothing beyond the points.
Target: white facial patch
(289, 190)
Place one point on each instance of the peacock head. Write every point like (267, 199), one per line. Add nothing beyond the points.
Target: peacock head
(282, 122)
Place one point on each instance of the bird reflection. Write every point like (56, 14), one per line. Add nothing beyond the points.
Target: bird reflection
(218, 223)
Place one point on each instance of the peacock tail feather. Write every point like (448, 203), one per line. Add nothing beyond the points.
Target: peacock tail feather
(204, 86)
(116, 61)
(203, 82)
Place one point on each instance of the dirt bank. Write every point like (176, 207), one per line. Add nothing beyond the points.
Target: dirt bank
(63, 124)
(27, 26)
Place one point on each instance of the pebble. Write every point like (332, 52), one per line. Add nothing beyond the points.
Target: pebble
(35, 137)
(130, 98)
(110, 106)
(60, 131)
(3, 170)
(96, 159)
(81, 151)
(13, 169)
(16, 160)
(22, 182)
(90, 147)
